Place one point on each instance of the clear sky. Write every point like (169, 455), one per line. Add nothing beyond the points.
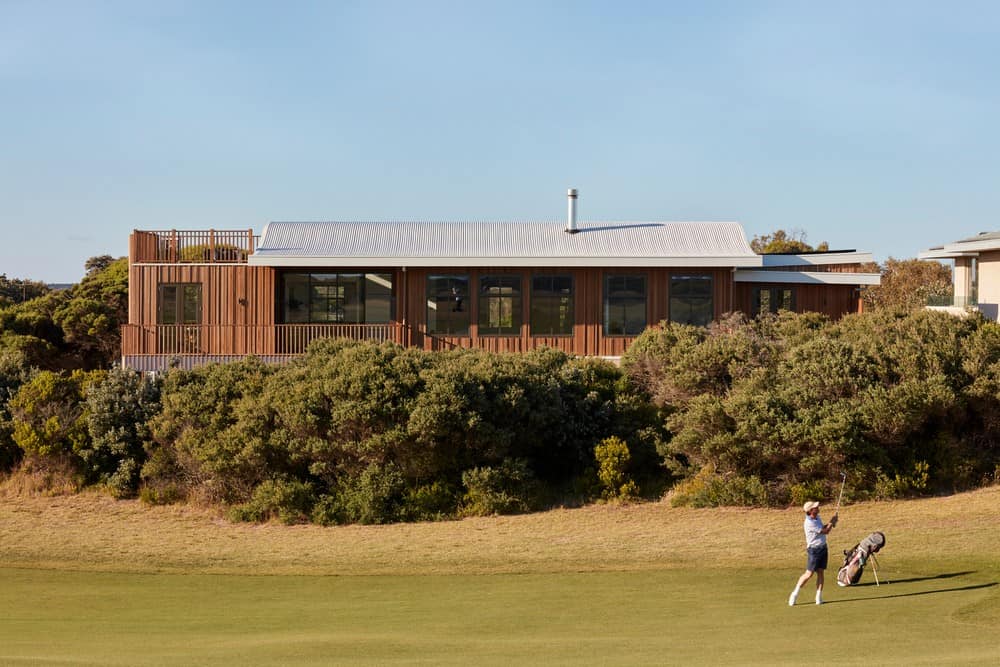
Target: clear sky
(870, 125)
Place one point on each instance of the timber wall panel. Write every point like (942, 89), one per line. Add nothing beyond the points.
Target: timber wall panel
(834, 301)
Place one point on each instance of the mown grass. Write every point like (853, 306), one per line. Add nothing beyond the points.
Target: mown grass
(87, 580)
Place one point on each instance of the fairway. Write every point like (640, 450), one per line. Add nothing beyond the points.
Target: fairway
(940, 605)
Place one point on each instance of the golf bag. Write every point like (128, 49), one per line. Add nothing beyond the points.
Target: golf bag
(857, 557)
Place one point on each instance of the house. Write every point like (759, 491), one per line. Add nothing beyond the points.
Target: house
(587, 288)
(976, 277)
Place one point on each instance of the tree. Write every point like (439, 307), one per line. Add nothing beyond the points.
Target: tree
(782, 242)
(119, 409)
(18, 291)
(94, 311)
(907, 284)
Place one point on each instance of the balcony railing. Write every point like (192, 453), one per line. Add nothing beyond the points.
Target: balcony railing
(949, 301)
(212, 246)
(222, 339)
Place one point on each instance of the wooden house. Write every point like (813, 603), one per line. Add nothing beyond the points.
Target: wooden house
(588, 289)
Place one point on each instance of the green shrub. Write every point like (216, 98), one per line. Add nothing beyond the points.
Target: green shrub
(373, 497)
(288, 501)
(709, 489)
(118, 409)
(162, 494)
(49, 415)
(809, 490)
(430, 502)
(505, 489)
(613, 459)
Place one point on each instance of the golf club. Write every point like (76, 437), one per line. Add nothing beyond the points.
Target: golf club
(843, 481)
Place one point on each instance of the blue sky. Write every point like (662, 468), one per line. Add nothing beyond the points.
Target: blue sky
(867, 125)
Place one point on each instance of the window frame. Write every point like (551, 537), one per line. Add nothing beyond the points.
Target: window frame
(555, 301)
(771, 290)
(487, 301)
(180, 303)
(672, 295)
(340, 282)
(458, 297)
(624, 302)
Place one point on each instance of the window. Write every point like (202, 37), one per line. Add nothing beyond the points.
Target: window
(551, 305)
(772, 299)
(691, 300)
(179, 304)
(500, 305)
(448, 305)
(624, 305)
(349, 298)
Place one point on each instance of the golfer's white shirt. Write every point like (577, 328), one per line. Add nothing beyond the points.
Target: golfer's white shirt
(814, 532)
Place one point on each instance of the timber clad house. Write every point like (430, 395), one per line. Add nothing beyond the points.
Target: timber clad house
(588, 289)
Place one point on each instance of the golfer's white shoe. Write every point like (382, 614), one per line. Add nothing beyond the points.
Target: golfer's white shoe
(819, 599)
(791, 599)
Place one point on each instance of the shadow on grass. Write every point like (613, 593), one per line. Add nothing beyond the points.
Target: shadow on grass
(971, 587)
(948, 575)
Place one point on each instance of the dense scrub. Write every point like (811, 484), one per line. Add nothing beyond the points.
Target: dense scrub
(768, 412)
(761, 412)
(358, 432)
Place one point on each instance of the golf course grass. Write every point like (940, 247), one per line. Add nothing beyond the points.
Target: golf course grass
(88, 580)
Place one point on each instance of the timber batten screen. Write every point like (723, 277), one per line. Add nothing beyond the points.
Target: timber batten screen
(500, 287)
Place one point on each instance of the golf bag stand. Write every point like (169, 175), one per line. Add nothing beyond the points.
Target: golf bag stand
(857, 557)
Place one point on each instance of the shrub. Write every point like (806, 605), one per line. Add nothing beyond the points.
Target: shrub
(217, 429)
(118, 409)
(289, 501)
(613, 459)
(49, 415)
(430, 502)
(709, 489)
(373, 497)
(505, 489)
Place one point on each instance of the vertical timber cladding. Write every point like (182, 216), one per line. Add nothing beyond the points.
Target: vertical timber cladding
(588, 286)
(834, 301)
(232, 294)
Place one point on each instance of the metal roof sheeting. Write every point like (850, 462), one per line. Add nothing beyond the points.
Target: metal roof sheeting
(709, 244)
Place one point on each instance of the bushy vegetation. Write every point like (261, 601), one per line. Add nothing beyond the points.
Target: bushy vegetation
(769, 411)
(365, 433)
(764, 412)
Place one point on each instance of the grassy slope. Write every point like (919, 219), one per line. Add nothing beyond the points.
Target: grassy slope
(612, 585)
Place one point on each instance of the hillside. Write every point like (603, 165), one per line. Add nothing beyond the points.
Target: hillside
(93, 532)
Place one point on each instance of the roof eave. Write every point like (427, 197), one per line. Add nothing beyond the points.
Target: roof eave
(263, 259)
(807, 277)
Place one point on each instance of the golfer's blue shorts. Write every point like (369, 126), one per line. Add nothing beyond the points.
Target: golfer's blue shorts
(816, 558)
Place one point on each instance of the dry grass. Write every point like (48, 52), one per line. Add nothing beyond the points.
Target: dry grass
(93, 532)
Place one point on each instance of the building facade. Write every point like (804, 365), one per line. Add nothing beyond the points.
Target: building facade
(588, 289)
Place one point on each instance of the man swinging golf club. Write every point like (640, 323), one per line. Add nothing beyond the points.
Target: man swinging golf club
(816, 553)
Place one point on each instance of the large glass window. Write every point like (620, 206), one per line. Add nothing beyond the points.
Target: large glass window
(350, 298)
(624, 305)
(179, 303)
(691, 300)
(551, 305)
(448, 305)
(772, 299)
(499, 305)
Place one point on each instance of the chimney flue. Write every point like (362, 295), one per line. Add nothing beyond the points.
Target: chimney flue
(571, 227)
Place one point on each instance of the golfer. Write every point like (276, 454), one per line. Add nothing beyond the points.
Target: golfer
(816, 553)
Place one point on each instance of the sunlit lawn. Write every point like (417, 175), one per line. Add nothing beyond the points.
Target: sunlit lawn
(640, 585)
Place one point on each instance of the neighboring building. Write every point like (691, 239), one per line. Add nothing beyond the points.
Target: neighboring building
(976, 277)
(587, 289)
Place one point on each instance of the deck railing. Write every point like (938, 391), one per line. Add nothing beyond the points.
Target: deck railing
(213, 246)
(222, 339)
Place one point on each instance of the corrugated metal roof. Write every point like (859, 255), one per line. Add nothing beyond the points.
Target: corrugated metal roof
(504, 243)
